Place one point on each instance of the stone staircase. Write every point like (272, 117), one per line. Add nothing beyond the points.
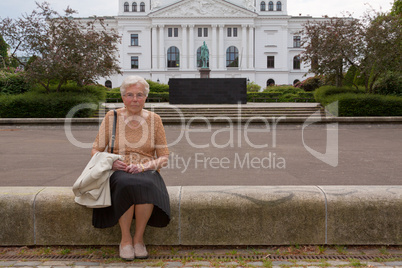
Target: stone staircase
(229, 113)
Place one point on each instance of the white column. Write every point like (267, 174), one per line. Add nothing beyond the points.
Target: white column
(243, 50)
(161, 42)
(191, 48)
(213, 55)
(154, 44)
(250, 47)
(184, 53)
(222, 51)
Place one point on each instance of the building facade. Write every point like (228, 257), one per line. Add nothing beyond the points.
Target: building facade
(253, 39)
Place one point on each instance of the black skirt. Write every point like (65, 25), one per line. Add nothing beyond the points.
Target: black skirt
(129, 189)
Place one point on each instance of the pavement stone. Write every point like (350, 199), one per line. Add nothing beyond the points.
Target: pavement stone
(27, 263)
(7, 263)
(394, 263)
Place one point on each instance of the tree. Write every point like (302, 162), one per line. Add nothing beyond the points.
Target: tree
(63, 48)
(372, 45)
(328, 44)
(3, 52)
(396, 8)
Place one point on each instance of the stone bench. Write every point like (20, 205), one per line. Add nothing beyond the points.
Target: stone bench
(217, 215)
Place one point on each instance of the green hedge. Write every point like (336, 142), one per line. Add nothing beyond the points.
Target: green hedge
(157, 87)
(352, 102)
(52, 105)
(321, 94)
(115, 96)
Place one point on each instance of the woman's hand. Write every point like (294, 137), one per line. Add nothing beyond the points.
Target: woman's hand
(119, 165)
(134, 169)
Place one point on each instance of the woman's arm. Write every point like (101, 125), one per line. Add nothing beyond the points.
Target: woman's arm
(117, 165)
(156, 164)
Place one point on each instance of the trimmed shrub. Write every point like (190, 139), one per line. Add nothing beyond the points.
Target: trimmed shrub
(253, 87)
(350, 104)
(157, 87)
(115, 96)
(321, 94)
(53, 105)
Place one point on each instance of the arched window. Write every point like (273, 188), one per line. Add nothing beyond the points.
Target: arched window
(142, 7)
(199, 62)
(173, 57)
(296, 63)
(108, 84)
(262, 6)
(295, 82)
(126, 7)
(270, 82)
(271, 6)
(134, 7)
(278, 6)
(232, 57)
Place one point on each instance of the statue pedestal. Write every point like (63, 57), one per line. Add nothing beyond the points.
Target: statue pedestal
(204, 72)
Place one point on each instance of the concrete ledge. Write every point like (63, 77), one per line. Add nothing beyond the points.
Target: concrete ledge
(217, 215)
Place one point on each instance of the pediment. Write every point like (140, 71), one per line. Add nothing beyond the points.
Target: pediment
(203, 9)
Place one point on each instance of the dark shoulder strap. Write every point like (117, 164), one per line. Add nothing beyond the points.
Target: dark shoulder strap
(114, 130)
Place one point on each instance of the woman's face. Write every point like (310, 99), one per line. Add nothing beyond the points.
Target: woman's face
(134, 98)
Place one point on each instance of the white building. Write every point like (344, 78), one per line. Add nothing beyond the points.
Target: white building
(251, 39)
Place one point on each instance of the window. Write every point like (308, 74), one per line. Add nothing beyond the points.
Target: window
(142, 7)
(134, 7)
(134, 39)
(271, 6)
(205, 32)
(199, 62)
(173, 57)
(295, 82)
(173, 32)
(134, 62)
(270, 82)
(108, 84)
(126, 7)
(278, 6)
(262, 8)
(232, 32)
(232, 57)
(199, 32)
(270, 61)
(296, 41)
(296, 63)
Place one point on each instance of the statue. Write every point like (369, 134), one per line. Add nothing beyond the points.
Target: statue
(204, 56)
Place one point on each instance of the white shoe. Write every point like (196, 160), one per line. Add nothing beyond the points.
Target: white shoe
(140, 251)
(127, 252)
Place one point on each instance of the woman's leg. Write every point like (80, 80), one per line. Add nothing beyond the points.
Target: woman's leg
(125, 224)
(142, 214)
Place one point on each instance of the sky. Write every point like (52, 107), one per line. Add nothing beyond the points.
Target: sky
(316, 8)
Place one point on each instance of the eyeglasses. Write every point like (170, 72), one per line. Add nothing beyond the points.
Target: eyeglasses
(131, 95)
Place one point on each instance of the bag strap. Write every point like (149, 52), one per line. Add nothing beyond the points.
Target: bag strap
(114, 130)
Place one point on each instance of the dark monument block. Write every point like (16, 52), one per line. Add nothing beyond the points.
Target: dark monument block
(207, 90)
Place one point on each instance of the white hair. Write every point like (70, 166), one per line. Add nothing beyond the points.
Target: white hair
(133, 80)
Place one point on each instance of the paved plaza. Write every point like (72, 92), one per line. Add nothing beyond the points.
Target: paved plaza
(285, 154)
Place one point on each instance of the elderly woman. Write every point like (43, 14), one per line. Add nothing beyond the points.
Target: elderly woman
(137, 189)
